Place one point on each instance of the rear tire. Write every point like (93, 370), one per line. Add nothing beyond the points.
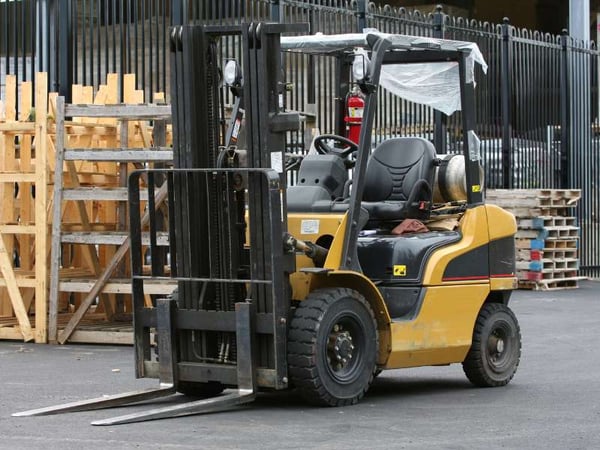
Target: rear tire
(332, 347)
(496, 348)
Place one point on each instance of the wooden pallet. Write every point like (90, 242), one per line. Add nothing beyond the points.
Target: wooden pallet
(546, 264)
(534, 198)
(526, 213)
(541, 222)
(546, 274)
(551, 284)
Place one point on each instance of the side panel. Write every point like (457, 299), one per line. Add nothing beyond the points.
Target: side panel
(502, 249)
(317, 228)
(442, 332)
(447, 265)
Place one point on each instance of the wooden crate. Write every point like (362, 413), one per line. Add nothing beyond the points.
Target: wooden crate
(27, 155)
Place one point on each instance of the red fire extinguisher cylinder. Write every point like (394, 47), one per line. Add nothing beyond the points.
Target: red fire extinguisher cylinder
(355, 105)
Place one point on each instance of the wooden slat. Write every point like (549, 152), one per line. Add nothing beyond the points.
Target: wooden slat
(17, 127)
(14, 293)
(21, 282)
(41, 206)
(123, 155)
(26, 211)
(132, 112)
(17, 177)
(111, 238)
(115, 286)
(102, 337)
(10, 105)
(17, 229)
(94, 193)
(12, 333)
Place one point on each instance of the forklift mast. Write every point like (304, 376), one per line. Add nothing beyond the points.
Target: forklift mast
(226, 223)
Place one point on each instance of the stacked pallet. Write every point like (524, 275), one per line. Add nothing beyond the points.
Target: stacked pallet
(547, 240)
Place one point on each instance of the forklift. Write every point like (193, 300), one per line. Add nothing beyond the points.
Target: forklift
(310, 287)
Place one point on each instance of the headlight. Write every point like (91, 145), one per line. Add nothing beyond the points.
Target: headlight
(360, 67)
(232, 73)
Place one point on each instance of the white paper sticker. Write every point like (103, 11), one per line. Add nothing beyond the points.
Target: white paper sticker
(474, 146)
(277, 161)
(309, 226)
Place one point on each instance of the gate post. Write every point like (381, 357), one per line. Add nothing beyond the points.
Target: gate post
(439, 118)
(361, 15)
(60, 51)
(65, 68)
(276, 11)
(505, 103)
(565, 120)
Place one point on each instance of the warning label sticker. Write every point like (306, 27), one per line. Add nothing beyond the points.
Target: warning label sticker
(309, 226)
(399, 270)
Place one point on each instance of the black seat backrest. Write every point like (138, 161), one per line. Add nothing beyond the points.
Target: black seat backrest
(321, 180)
(400, 170)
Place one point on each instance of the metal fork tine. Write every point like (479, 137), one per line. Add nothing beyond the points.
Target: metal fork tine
(101, 402)
(209, 405)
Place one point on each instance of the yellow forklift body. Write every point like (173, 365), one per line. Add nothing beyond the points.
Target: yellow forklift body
(441, 332)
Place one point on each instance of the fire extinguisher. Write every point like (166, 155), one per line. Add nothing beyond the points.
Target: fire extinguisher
(355, 105)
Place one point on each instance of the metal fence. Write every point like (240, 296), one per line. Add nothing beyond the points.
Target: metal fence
(537, 107)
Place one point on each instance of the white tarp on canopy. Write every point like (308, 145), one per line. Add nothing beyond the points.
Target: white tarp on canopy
(433, 84)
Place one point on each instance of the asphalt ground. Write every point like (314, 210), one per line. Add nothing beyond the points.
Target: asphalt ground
(552, 403)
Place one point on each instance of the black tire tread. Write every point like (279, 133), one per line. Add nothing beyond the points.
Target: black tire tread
(302, 338)
(473, 365)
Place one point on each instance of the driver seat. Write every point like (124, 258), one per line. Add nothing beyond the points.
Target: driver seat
(399, 180)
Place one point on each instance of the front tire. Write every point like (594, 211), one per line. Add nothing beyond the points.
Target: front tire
(496, 348)
(332, 347)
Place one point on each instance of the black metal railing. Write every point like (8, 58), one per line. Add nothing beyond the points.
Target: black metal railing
(537, 106)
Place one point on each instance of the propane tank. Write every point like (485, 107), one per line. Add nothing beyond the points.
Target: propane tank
(450, 183)
(355, 106)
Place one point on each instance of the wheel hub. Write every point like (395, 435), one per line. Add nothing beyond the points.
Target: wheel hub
(340, 348)
(500, 345)
(499, 349)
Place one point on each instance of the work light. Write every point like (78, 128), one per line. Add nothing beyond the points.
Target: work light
(232, 73)
(360, 67)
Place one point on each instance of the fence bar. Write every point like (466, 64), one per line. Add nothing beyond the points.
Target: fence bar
(506, 96)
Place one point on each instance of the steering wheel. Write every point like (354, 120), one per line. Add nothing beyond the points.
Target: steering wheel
(348, 146)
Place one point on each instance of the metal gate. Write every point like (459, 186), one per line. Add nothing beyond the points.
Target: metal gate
(537, 107)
